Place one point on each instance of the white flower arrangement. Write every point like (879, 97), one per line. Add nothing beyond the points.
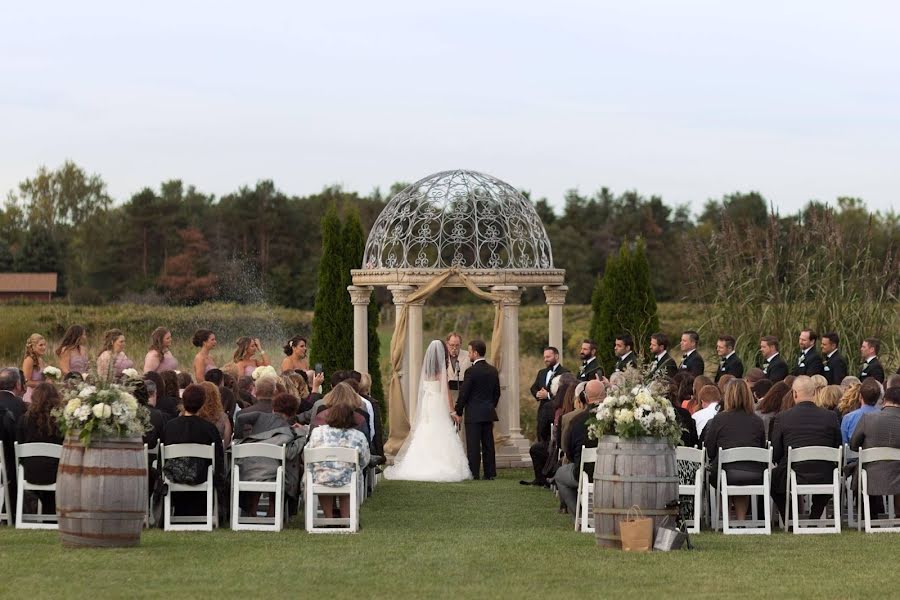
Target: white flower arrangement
(131, 374)
(52, 373)
(636, 408)
(108, 410)
(265, 371)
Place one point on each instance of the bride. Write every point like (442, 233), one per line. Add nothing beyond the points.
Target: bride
(433, 450)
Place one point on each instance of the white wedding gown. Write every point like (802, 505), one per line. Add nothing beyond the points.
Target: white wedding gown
(433, 450)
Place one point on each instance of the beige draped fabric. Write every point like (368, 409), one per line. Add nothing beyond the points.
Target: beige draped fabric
(398, 417)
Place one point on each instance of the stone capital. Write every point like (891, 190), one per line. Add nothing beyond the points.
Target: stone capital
(511, 294)
(360, 295)
(555, 294)
(400, 293)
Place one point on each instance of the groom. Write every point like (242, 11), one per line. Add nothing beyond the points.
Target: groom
(478, 398)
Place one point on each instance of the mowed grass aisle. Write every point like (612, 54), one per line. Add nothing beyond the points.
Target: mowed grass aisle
(479, 539)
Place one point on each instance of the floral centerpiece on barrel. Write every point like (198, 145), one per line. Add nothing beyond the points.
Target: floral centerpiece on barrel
(636, 431)
(101, 497)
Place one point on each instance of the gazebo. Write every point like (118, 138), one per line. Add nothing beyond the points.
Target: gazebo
(457, 229)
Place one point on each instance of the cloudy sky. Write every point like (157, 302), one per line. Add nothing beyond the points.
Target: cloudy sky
(689, 100)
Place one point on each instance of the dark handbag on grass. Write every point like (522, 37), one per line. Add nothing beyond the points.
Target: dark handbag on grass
(188, 470)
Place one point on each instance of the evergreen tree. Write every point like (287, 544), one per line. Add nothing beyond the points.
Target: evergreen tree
(328, 329)
(6, 257)
(41, 253)
(374, 358)
(353, 246)
(623, 302)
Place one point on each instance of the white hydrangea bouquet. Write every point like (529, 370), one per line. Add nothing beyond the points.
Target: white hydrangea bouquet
(52, 373)
(109, 410)
(634, 408)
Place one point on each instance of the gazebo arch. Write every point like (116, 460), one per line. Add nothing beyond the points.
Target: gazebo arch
(457, 229)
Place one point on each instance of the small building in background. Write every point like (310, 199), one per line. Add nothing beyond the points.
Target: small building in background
(27, 286)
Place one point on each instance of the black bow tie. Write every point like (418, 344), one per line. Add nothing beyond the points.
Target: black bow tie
(684, 356)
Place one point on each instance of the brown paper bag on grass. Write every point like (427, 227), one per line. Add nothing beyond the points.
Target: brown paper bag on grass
(636, 531)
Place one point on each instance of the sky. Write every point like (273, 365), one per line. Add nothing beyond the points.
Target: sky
(687, 100)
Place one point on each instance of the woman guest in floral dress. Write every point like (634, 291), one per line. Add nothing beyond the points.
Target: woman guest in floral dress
(159, 358)
(338, 432)
(113, 360)
(33, 364)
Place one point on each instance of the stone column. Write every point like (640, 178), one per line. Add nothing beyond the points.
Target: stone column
(400, 293)
(556, 299)
(360, 296)
(415, 354)
(513, 451)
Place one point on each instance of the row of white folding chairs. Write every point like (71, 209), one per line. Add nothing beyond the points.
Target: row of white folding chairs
(25, 520)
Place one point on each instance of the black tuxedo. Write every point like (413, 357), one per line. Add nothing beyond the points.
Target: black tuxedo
(693, 364)
(540, 381)
(665, 365)
(539, 449)
(835, 368)
(477, 403)
(590, 370)
(810, 365)
(730, 366)
(14, 404)
(622, 363)
(873, 369)
(775, 368)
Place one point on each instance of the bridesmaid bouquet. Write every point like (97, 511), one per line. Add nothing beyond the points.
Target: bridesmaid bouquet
(52, 373)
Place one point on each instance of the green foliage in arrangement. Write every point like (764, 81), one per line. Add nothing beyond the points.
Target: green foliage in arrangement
(329, 344)
(624, 302)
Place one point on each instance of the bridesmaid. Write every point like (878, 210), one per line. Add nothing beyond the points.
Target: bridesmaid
(245, 355)
(159, 358)
(33, 363)
(72, 351)
(203, 362)
(296, 356)
(113, 360)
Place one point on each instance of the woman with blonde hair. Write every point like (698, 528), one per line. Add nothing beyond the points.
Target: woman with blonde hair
(850, 401)
(213, 411)
(828, 397)
(159, 357)
(72, 351)
(245, 355)
(113, 360)
(33, 364)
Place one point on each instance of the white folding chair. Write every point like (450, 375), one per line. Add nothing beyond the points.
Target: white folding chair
(696, 457)
(28, 520)
(190, 523)
(794, 490)
(850, 488)
(5, 505)
(274, 488)
(867, 456)
(314, 523)
(152, 462)
(746, 526)
(584, 503)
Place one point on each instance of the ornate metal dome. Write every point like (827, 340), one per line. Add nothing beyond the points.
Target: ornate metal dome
(458, 219)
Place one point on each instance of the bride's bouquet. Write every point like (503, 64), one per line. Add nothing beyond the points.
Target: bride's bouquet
(635, 407)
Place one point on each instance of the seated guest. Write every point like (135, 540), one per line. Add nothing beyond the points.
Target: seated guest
(39, 425)
(12, 407)
(893, 381)
(723, 381)
(870, 394)
(881, 430)
(365, 390)
(213, 412)
(11, 392)
(753, 375)
(829, 397)
(273, 428)
(771, 404)
(356, 378)
(709, 397)
(567, 475)
(849, 381)
(737, 427)
(760, 389)
(168, 406)
(338, 431)
(246, 391)
(184, 380)
(360, 415)
(803, 425)
(850, 401)
(265, 390)
(217, 378)
(145, 393)
(693, 404)
(580, 406)
(190, 428)
(171, 391)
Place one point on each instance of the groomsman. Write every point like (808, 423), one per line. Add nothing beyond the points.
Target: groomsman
(834, 364)
(691, 361)
(871, 366)
(729, 362)
(662, 362)
(590, 366)
(540, 389)
(773, 364)
(624, 353)
(809, 362)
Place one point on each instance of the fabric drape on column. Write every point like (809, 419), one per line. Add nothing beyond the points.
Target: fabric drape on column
(398, 418)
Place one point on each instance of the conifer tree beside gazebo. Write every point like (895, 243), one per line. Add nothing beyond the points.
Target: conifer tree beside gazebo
(332, 339)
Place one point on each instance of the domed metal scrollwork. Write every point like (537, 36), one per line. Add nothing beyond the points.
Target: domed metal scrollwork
(459, 219)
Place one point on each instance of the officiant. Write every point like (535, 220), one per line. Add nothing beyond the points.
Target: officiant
(458, 363)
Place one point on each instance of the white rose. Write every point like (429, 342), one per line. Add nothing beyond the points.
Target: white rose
(87, 391)
(102, 410)
(82, 413)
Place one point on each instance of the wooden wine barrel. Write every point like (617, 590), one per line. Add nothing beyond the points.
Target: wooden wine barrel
(639, 471)
(101, 492)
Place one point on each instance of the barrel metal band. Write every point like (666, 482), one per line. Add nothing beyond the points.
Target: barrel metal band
(636, 452)
(636, 478)
(646, 511)
(114, 471)
(80, 513)
(100, 536)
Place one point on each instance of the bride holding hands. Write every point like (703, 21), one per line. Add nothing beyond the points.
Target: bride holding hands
(433, 450)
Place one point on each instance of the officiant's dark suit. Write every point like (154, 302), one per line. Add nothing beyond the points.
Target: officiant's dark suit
(477, 404)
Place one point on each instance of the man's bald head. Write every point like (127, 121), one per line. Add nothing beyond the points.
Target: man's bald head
(804, 389)
(595, 391)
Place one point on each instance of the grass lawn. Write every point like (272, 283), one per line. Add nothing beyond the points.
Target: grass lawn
(479, 539)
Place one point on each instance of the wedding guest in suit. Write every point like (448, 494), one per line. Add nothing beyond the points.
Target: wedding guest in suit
(33, 364)
(809, 362)
(624, 353)
(39, 425)
(803, 425)
(477, 403)
(661, 362)
(773, 365)
(203, 362)
(590, 366)
(834, 365)
(296, 353)
(737, 426)
(72, 351)
(245, 355)
(11, 392)
(729, 362)
(567, 475)
(542, 392)
(265, 391)
(159, 357)
(881, 430)
(113, 360)
(871, 366)
(771, 404)
(11, 410)
(870, 394)
(709, 397)
(691, 361)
